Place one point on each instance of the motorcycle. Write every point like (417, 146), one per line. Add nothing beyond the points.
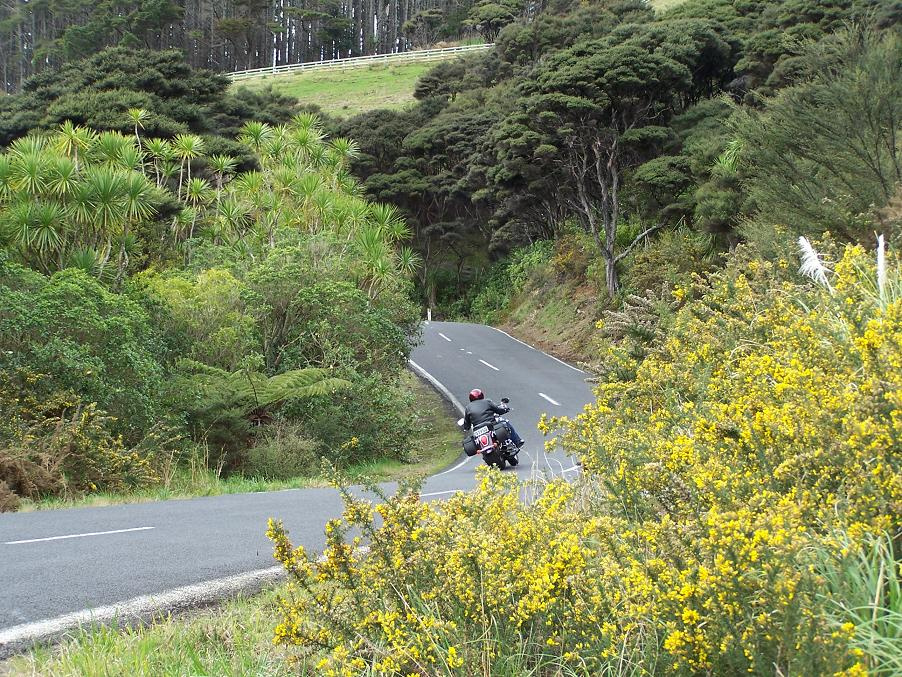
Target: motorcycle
(493, 441)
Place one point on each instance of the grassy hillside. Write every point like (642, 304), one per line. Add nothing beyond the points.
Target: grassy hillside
(347, 92)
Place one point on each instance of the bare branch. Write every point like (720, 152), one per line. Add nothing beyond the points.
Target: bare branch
(639, 238)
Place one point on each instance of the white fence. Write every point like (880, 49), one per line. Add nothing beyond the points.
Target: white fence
(357, 61)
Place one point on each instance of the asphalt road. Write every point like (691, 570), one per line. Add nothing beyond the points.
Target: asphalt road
(55, 564)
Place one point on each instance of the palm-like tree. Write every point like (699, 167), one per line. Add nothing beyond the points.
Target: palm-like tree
(250, 187)
(86, 259)
(307, 122)
(285, 181)
(72, 140)
(387, 219)
(272, 208)
(198, 194)
(318, 157)
(357, 215)
(168, 170)
(131, 158)
(182, 221)
(323, 204)
(108, 148)
(138, 195)
(29, 171)
(127, 245)
(6, 178)
(107, 201)
(223, 166)
(50, 207)
(16, 225)
(138, 116)
(343, 151)
(304, 142)
(62, 177)
(160, 152)
(408, 261)
(345, 182)
(47, 229)
(232, 216)
(187, 147)
(376, 258)
(255, 135)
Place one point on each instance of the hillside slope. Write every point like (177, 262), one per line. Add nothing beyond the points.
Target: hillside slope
(347, 92)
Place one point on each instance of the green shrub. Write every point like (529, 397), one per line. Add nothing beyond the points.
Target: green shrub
(58, 446)
(506, 279)
(208, 313)
(227, 412)
(372, 420)
(83, 339)
(309, 317)
(282, 451)
(670, 258)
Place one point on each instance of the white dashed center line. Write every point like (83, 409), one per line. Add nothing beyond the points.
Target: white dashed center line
(444, 337)
(545, 397)
(92, 533)
(490, 366)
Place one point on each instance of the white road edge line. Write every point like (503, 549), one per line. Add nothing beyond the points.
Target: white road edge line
(441, 493)
(459, 465)
(545, 397)
(490, 366)
(444, 337)
(569, 366)
(91, 533)
(438, 385)
(138, 607)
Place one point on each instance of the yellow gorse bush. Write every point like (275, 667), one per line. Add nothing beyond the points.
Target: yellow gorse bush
(762, 431)
(437, 577)
(763, 391)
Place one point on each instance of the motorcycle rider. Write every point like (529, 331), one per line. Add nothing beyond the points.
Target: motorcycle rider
(481, 411)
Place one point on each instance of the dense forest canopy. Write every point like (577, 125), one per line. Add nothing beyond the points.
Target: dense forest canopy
(236, 34)
(624, 122)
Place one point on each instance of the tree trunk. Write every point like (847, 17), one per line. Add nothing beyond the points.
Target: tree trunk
(611, 278)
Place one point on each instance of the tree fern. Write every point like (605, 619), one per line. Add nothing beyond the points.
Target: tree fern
(252, 391)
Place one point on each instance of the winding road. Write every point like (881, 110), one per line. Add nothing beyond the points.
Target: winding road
(60, 568)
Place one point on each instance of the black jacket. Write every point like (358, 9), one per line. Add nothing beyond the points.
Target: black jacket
(481, 412)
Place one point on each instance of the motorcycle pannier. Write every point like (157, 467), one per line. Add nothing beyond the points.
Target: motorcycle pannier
(502, 434)
(470, 448)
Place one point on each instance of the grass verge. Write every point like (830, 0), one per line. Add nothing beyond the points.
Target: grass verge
(347, 92)
(232, 639)
(440, 444)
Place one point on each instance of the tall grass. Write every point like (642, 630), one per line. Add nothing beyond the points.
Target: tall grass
(863, 595)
